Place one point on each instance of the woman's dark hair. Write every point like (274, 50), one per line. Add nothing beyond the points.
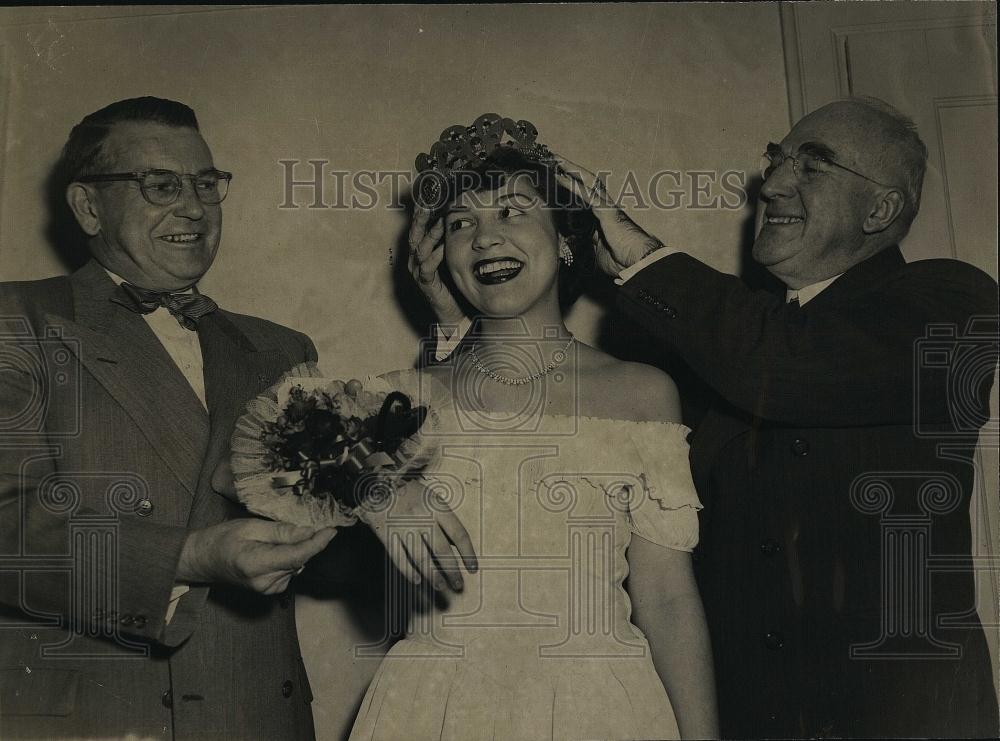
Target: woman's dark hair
(573, 219)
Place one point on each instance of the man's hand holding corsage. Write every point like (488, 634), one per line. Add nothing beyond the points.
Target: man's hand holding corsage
(322, 453)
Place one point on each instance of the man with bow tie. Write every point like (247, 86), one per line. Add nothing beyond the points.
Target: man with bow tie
(158, 376)
(135, 600)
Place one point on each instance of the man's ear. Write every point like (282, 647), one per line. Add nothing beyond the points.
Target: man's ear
(82, 204)
(887, 209)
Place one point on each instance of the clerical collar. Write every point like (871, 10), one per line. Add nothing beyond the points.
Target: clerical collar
(808, 293)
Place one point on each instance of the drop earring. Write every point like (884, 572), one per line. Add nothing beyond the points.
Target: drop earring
(565, 254)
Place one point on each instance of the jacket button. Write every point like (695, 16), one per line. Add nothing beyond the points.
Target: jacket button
(144, 508)
(774, 640)
(800, 447)
(167, 699)
(126, 620)
(140, 621)
(286, 688)
(770, 547)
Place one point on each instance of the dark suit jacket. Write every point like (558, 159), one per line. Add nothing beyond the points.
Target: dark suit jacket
(836, 470)
(106, 457)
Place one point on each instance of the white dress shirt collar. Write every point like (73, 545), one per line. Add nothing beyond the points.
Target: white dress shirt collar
(181, 344)
(119, 280)
(808, 293)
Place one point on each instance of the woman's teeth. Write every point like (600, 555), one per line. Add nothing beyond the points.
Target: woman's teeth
(179, 238)
(497, 271)
(783, 219)
(492, 267)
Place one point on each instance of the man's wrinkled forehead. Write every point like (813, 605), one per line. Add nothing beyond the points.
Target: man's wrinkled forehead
(140, 145)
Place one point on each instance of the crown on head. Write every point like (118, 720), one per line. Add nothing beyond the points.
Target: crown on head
(466, 147)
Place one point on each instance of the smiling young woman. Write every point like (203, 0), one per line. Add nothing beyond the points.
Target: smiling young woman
(561, 458)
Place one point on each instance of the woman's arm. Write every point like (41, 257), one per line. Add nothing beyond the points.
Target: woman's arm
(666, 607)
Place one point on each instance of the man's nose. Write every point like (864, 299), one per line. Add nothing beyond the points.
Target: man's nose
(188, 204)
(781, 182)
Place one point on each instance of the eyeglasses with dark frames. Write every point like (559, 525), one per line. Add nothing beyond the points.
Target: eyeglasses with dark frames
(162, 187)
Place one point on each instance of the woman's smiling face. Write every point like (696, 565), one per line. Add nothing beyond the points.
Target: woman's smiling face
(502, 246)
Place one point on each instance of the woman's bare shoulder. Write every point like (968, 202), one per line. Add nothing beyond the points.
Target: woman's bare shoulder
(620, 389)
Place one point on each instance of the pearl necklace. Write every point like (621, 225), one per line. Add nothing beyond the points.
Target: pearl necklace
(558, 357)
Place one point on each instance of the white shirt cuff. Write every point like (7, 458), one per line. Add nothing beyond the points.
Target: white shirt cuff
(644, 263)
(176, 593)
(446, 341)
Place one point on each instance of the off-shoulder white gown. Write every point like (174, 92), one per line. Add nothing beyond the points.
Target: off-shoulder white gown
(539, 645)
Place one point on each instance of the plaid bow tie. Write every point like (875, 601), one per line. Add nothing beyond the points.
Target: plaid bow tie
(187, 308)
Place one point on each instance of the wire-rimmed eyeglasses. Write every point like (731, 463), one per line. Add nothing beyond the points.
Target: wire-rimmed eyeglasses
(807, 163)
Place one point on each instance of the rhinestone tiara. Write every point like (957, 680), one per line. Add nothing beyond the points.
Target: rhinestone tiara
(466, 147)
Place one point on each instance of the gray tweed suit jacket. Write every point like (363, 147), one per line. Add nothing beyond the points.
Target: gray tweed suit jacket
(106, 458)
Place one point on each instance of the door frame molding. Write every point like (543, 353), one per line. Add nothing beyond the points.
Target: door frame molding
(798, 104)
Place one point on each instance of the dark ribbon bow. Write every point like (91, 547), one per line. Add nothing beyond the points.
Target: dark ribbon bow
(397, 420)
(187, 308)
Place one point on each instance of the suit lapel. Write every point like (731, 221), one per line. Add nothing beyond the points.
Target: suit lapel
(121, 352)
(235, 372)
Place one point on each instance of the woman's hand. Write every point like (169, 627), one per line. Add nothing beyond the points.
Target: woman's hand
(620, 242)
(419, 530)
(426, 253)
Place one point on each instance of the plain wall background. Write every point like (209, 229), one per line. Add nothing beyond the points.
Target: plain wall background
(690, 88)
(680, 87)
